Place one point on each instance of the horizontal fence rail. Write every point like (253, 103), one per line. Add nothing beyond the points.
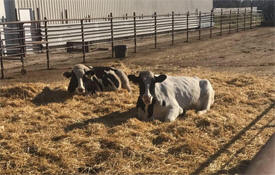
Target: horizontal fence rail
(20, 39)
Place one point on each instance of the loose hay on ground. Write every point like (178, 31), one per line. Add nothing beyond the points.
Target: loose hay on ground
(43, 129)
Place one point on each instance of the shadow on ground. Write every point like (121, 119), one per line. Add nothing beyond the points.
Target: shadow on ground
(243, 164)
(109, 120)
(51, 96)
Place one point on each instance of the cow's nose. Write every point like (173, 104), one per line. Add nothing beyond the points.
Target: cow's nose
(147, 99)
(80, 90)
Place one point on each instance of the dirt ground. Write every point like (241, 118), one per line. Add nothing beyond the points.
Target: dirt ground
(46, 130)
(251, 51)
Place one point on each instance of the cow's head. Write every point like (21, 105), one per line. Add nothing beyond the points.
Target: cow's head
(146, 81)
(78, 79)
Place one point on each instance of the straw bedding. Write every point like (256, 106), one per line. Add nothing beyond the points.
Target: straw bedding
(43, 129)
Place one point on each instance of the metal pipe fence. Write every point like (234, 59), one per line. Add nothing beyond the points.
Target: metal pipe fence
(50, 36)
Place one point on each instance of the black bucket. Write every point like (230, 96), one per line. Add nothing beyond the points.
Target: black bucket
(120, 51)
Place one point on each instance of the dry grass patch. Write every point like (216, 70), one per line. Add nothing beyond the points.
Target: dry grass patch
(43, 129)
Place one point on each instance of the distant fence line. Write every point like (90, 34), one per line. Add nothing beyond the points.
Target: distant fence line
(18, 39)
(266, 6)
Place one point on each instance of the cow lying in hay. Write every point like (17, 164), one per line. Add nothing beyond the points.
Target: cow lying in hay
(166, 97)
(86, 79)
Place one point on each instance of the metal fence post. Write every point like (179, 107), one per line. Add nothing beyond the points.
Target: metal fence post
(238, 12)
(22, 43)
(251, 15)
(83, 41)
(1, 56)
(112, 34)
(221, 22)
(211, 23)
(244, 19)
(62, 18)
(39, 28)
(16, 14)
(47, 43)
(230, 18)
(187, 26)
(66, 16)
(200, 25)
(173, 26)
(155, 19)
(38, 13)
(135, 32)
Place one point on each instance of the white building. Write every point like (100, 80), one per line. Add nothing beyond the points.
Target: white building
(55, 9)
(2, 9)
(26, 10)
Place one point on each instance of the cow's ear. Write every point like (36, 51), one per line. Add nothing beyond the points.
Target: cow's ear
(67, 74)
(160, 78)
(89, 73)
(133, 78)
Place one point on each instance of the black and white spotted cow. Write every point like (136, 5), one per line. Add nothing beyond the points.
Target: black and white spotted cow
(87, 79)
(166, 97)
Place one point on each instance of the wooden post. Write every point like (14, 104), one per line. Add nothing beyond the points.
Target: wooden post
(187, 26)
(1, 56)
(112, 34)
(221, 22)
(238, 12)
(47, 43)
(230, 17)
(83, 41)
(155, 19)
(211, 23)
(244, 19)
(200, 25)
(135, 32)
(173, 27)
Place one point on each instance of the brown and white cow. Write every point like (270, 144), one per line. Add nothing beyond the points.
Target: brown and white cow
(88, 79)
(166, 97)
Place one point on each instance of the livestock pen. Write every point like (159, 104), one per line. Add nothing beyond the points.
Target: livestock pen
(46, 130)
(23, 41)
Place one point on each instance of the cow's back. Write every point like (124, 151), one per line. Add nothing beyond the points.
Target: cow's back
(183, 90)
